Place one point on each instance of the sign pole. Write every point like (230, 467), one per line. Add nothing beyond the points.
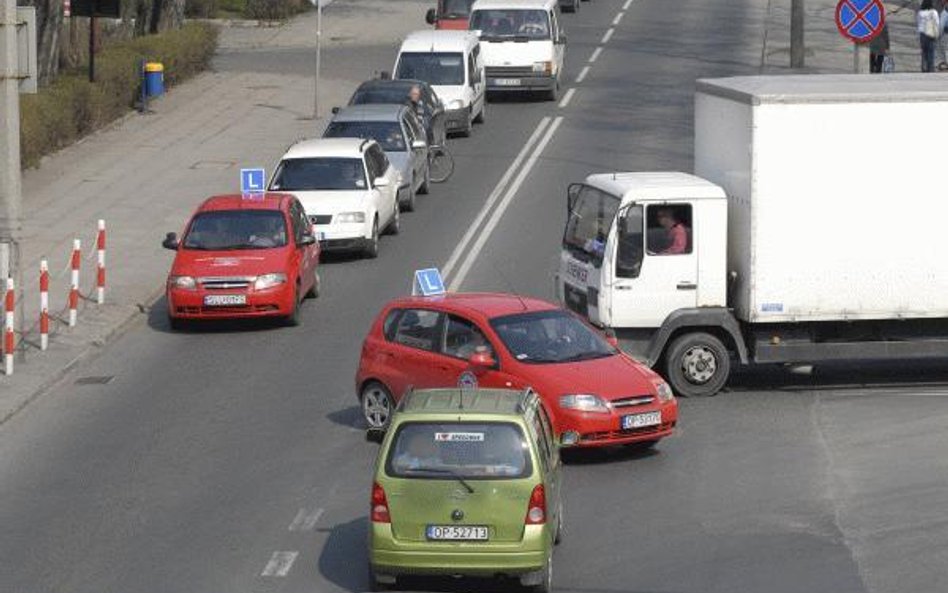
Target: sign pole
(855, 58)
(92, 46)
(10, 181)
(319, 43)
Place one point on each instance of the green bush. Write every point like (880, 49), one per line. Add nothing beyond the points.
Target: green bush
(72, 107)
(274, 10)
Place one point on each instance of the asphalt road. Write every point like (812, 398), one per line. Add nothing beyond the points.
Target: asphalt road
(213, 461)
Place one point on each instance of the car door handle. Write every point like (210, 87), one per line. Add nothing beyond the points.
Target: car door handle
(687, 286)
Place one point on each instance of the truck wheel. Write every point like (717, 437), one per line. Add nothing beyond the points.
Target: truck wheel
(698, 365)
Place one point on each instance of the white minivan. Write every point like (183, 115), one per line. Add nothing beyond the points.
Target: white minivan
(522, 43)
(451, 62)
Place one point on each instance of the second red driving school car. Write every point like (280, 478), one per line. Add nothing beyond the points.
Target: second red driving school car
(595, 394)
(243, 257)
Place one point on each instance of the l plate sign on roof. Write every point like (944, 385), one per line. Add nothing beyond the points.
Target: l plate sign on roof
(428, 282)
(252, 181)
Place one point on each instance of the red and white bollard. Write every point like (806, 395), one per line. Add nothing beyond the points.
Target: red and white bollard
(74, 283)
(67, 8)
(9, 342)
(44, 305)
(100, 268)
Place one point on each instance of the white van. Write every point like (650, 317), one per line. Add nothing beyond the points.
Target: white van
(450, 61)
(523, 44)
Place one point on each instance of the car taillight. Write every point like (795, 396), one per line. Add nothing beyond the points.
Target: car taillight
(379, 505)
(536, 510)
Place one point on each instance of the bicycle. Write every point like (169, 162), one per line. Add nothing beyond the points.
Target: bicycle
(440, 163)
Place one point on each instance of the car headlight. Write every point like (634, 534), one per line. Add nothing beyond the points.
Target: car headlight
(664, 391)
(182, 282)
(584, 402)
(456, 104)
(543, 67)
(264, 281)
(344, 217)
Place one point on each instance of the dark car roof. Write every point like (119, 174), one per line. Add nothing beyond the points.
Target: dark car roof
(266, 201)
(402, 85)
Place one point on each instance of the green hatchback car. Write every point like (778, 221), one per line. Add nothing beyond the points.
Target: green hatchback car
(467, 483)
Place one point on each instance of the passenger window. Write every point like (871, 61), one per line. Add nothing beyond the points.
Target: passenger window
(669, 228)
(630, 242)
(299, 228)
(418, 328)
(463, 339)
(540, 435)
(381, 161)
(391, 324)
(548, 431)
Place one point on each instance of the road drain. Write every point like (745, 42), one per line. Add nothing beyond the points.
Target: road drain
(95, 380)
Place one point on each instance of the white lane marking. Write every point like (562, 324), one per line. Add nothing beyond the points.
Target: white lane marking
(502, 207)
(582, 74)
(306, 519)
(494, 195)
(595, 55)
(627, 4)
(280, 564)
(608, 36)
(567, 98)
(618, 18)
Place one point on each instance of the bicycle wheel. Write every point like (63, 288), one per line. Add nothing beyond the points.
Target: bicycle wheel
(441, 164)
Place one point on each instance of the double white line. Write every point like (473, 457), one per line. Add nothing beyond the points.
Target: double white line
(505, 191)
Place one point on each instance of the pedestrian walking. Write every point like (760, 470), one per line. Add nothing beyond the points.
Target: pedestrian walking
(878, 49)
(943, 38)
(928, 25)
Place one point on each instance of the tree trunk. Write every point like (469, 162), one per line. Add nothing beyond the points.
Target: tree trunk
(49, 19)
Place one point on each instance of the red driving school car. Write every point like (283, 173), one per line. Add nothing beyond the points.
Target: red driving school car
(243, 257)
(595, 394)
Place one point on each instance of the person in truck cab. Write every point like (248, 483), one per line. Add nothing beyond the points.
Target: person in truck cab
(675, 231)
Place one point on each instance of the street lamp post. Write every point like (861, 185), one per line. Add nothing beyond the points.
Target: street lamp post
(319, 43)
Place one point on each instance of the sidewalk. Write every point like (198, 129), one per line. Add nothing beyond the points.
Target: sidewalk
(146, 174)
(826, 50)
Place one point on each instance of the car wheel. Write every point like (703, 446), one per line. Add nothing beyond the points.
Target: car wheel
(177, 324)
(371, 249)
(313, 291)
(424, 187)
(482, 116)
(559, 527)
(395, 225)
(293, 319)
(378, 584)
(466, 131)
(553, 93)
(377, 406)
(697, 365)
(408, 204)
(572, 7)
(546, 582)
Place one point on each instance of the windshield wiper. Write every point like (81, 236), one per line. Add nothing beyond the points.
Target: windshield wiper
(586, 356)
(446, 472)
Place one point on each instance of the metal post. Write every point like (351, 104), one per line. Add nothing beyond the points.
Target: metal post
(319, 43)
(797, 42)
(92, 45)
(855, 58)
(10, 188)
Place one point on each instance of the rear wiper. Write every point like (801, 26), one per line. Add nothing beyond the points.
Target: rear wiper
(447, 472)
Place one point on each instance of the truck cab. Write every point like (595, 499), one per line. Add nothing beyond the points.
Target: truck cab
(450, 14)
(640, 249)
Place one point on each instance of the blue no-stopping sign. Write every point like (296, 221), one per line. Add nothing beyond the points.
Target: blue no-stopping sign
(860, 20)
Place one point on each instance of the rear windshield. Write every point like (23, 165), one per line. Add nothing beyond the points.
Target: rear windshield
(433, 68)
(456, 9)
(396, 94)
(387, 133)
(513, 24)
(319, 174)
(224, 230)
(452, 450)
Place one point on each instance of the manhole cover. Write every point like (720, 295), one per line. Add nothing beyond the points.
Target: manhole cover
(95, 380)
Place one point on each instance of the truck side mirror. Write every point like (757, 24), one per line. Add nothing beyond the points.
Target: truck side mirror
(572, 194)
(431, 17)
(171, 241)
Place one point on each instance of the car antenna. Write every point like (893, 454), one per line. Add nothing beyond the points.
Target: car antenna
(508, 285)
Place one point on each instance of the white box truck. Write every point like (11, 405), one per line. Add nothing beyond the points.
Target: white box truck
(814, 229)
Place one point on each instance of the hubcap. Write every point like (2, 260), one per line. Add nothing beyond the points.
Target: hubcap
(699, 364)
(376, 407)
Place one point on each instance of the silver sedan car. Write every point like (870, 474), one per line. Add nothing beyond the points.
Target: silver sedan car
(397, 131)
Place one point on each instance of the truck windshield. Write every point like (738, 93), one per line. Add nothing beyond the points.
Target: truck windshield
(456, 9)
(387, 133)
(589, 223)
(314, 174)
(550, 337)
(459, 450)
(504, 25)
(225, 230)
(433, 68)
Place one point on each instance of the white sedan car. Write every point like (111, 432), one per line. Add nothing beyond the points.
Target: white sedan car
(347, 187)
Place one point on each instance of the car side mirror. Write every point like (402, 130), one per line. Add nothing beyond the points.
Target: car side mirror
(431, 17)
(307, 240)
(419, 144)
(335, 110)
(171, 242)
(610, 335)
(380, 182)
(482, 360)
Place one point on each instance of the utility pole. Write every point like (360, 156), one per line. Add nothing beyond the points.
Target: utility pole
(319, 44)
(797, 44)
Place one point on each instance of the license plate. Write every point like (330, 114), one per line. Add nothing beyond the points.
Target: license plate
(224, 300)
(507, 81)
(641, 420)
(457, 532)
